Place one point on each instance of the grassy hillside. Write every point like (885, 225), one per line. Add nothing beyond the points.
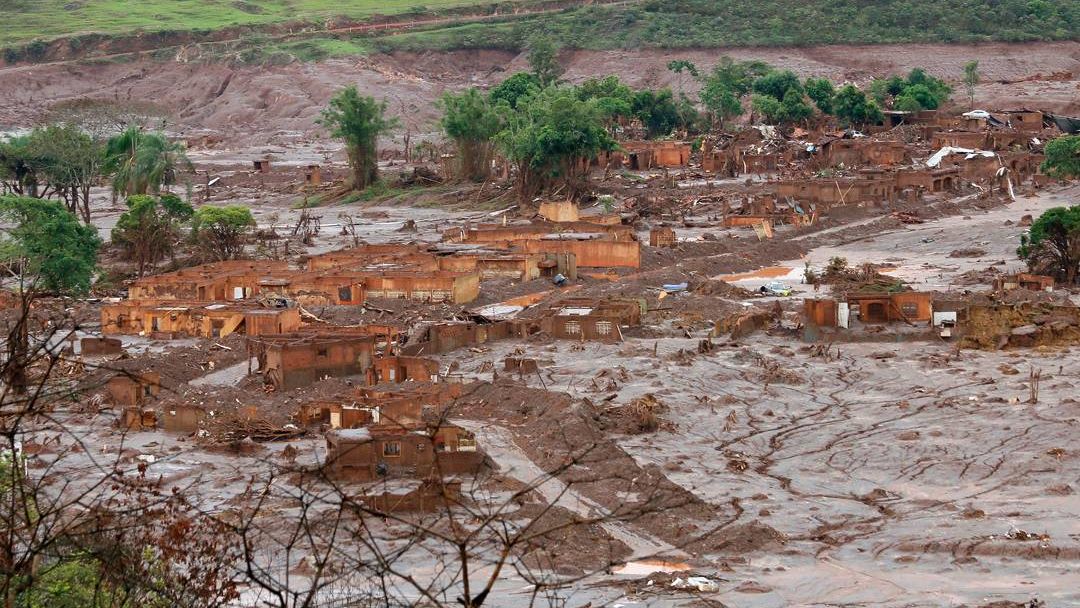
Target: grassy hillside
(634, 24)
(717, 23)
(27, 20)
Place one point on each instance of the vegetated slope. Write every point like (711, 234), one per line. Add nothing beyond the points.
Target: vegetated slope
(725, 23)
(28, 20)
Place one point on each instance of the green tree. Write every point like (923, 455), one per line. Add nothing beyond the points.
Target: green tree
(971, 78)
(938, 88)
(515, 88)
(548, 136)
(682, 65)
(767, 107)
(907, 103)
(852, 106)
(794, 108)
(17, 166)
(49, 252)
(358, 121)
(725, 86)
(657, 111)
(70, 161)
(777, 83)
(544, 61)
(149, 230)
(722, 102)
(470, 119)
(141, 162)
(1062, 157)
(1052, 245)
(614, 99)
(736, 76)
(221, 232)
(921, 94)
(821, 92)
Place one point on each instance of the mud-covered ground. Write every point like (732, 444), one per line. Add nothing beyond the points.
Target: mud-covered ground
(253, 107)
(888, 474)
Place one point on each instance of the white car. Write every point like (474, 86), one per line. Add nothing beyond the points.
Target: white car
(976, 114)
(776, 288)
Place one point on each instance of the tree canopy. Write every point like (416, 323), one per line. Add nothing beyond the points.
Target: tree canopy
(220, 232)
(552, 131)
(514, 88)
(852, 105)
(544, 61)
(1062, 157)
(1052, 244)
(142, 162)
(472, 121)
(48, 247)
(821, 92)
(149, 230)
(359, 121)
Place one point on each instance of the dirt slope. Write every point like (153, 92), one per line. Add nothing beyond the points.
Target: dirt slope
(261, 105)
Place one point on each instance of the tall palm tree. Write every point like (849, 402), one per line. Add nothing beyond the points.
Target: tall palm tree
(141, 163)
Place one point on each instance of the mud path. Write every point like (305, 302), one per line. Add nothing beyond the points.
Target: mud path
(499, 443)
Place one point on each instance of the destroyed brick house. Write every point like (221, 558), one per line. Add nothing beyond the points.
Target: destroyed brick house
(1024, 280)
(402, 404)
(592, 245)
(179, 319)
(133, 389)
(587, 319)
(297, 359)
(645, 155)
(392, 451)
(909, 307)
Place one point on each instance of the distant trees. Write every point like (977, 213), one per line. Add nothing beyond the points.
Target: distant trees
(1062, 157)
(359, 121)
(1052, 244)
(471, 120)
(548, 136)
(657, 111)
(544, 61)
(220, 233)
(853, 106)
(725, 86)
(141, 162)
(151, 227)
(971, 78)
(919, 91)
(514, 88)
(678, 66)
(821, 92)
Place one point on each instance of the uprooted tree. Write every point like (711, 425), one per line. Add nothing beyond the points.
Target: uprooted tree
(359, 121)
(1052, 244)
